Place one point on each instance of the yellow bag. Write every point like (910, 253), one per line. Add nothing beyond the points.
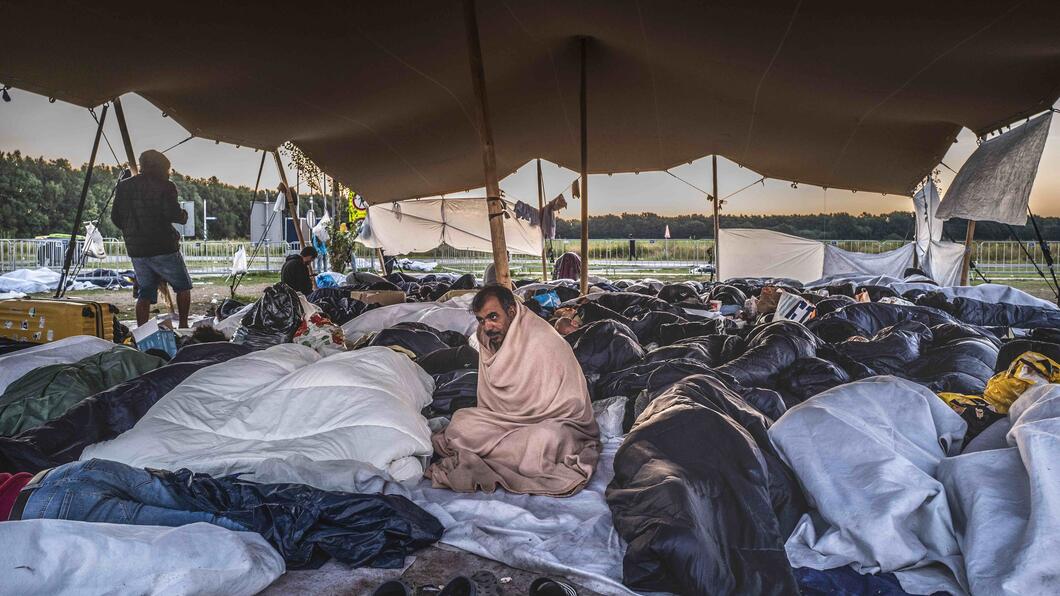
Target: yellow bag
(1030, 369)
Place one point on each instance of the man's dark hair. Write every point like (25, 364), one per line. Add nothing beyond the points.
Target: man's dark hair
(309, 251)
(501, 293)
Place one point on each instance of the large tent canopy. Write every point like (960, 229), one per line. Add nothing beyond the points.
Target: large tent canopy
(863, 96)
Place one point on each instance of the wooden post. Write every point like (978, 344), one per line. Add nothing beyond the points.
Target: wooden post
(584, 176)
(382, 261)
(969, 246)
(541, 212)
(290, 199)
(494, 204)
(717, 219)
(125, 139)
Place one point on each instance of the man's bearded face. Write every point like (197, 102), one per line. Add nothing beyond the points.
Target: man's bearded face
(494, 321)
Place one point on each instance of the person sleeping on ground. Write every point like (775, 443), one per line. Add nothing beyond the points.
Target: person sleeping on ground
(533, 430)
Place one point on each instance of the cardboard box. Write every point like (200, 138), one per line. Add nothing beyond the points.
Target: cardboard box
(454, 293)
(381, 297)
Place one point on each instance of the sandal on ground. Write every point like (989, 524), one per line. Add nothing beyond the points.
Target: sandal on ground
(545, 586)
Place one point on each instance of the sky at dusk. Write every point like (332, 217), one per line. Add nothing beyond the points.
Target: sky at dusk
(36, 127)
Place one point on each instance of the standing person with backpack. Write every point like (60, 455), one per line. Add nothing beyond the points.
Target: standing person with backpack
(145, 209)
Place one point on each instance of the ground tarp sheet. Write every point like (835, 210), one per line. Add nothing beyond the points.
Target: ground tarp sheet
(60, 557)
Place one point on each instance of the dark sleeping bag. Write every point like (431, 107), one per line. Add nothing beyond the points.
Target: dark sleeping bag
(990, 314)
(603, 347)
(701, 499)
(771, 348)
(870, 317)
(106, 415)
(892, 351)
(416, 338)
(453, 390)
(807, 377)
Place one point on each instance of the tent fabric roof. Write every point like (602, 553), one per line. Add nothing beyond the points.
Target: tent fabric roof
(864, 96)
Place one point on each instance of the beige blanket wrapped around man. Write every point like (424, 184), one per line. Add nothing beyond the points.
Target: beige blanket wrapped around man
(533, 431)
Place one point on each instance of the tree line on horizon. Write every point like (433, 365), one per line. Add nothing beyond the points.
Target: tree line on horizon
(39, 197)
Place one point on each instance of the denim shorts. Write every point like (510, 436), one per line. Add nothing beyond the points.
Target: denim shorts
(151, 270)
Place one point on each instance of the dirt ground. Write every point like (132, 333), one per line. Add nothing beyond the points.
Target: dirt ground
(206, 293)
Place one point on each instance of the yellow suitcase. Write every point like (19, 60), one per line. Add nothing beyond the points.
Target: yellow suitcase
(42, 320)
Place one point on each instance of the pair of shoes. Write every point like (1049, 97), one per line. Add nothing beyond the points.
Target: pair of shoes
(544, 586)
(481, 583)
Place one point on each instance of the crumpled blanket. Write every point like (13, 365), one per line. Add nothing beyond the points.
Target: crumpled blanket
(533, 430)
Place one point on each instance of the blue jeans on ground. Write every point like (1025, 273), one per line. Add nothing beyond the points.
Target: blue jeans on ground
(110, 492)
(151, 270)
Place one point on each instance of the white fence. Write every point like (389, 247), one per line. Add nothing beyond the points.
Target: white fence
(1002, 260)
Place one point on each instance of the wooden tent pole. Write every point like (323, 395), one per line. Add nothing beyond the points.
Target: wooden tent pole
(717, 219)
(126, 140)
(541, 213)
(290, 199)
(494, 204)
(382, 261)
(584, 176)
(969, 246)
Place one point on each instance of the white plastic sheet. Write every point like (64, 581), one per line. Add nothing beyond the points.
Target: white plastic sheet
(54, 557)
(891, 262)
(239, 261)
(866, 454)
(93, 246)
(42, 279)
(765, 253)
(928, 227)
(423, 224)
(444, 316)
(994, 184)
(1006, 502)
(289, 404)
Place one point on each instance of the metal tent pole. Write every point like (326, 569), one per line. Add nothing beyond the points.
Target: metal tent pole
(72, 247)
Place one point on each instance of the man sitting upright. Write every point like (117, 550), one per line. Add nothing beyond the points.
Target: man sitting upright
(533, 430)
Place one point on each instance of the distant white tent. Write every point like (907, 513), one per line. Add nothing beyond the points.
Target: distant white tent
(419, 225)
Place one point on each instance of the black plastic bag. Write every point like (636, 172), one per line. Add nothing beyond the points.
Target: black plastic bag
(272, 321)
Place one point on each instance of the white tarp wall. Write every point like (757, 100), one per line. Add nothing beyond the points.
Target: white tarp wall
(764, 253)
(995, 183)
(420, 225)
(893, 262)
(928, 227)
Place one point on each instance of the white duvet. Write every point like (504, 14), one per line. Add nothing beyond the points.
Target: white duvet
(285, 412)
